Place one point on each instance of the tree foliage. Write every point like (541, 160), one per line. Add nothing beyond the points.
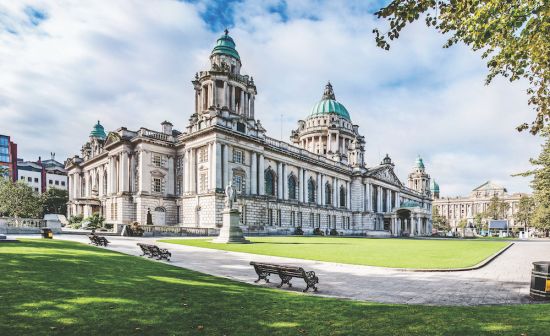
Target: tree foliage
(525, 211)
(439, 222)
(95, 221)
(513, 35)
(496, 209)
(18, 200)
(55, 201)
(541, 184)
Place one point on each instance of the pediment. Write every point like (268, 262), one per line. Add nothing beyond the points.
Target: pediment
(112, 138)
(386, 174)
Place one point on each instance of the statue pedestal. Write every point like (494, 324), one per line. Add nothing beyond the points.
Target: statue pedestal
(231, 233)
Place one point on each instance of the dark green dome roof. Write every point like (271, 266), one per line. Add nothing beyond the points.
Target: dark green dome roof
(419, 162)
(98, 132)
(434, 186)
(226, 46)
(329, 104)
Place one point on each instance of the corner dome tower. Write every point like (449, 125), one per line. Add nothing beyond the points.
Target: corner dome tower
(98, 132)
(226, 46)
(328, 104)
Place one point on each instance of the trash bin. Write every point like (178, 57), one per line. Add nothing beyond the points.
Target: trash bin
(540, 280)
(47, 233)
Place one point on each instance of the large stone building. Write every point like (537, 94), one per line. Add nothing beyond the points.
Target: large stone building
(454, 209)
(319, 180)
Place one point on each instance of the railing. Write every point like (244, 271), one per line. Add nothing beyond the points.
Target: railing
(179, 230)
(155, 135)
(300, 151)
(22, 222)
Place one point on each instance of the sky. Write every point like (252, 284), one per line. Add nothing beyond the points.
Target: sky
(64, 65)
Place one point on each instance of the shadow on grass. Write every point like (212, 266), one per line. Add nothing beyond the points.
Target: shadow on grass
(65, 288)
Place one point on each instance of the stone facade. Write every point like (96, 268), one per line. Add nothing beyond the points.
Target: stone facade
(320, 181)
(454, 209)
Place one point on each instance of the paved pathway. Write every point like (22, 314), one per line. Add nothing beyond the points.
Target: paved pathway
(504, 281)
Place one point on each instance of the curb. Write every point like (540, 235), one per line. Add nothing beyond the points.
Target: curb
(471, 268)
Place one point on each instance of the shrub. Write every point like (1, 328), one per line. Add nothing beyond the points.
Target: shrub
(75, 222)
(318, 232)
(333, 232)
(95, 221)
(298, 231)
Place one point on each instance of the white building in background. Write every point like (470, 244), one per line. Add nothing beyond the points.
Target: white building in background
(454, 209)
(319, 180)
(43, 175)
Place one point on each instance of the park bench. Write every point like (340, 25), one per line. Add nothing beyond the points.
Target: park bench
(98, 240)
(286, 273)
(153, 251)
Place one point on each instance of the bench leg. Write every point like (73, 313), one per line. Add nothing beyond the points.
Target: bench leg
(262, 275)
(285, 279)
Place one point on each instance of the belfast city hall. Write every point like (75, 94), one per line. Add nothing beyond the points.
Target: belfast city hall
(318, 179)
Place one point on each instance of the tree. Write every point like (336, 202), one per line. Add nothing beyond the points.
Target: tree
(18, 200)
(55, 201)
(439, 222)
(462, 224)
(541, 185)
(525, 211)
(479, 221)
(512, 34)
(496, 209)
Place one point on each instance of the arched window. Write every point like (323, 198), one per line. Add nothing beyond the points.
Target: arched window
(269, 182)
(328, 194)
(342, 196)
(311, 190)
(292, 187)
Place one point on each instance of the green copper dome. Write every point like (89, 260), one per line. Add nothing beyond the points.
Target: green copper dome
(226, 46)
(434, 187)
(329, 104)
(98, 132)
(419, 163)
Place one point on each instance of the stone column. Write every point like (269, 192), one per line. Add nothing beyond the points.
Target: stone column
(212, 166)
(133, 164)
(336, 193)
(253, 173)
(318, 191)
(322, 189)
(348, 195)
(123, 171)
(241, 104)
(301, 184)
(78, 185)
(225, 95)
(252, 107)
(285, 182)
(279, 181)
(171, 178)
(192, 171)
(214, 93)
(261, 175)
(380, 196)
(225, 165)
(186, 171)
(245, 104)
(218, 165)
(232, 99)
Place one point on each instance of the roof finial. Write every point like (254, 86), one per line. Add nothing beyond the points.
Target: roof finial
(328, 93)
(226, 32)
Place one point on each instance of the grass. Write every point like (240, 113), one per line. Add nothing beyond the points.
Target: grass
(66, 288)
(400, 253)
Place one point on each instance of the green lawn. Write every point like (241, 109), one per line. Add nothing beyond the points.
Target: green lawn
(65, 288)
(400, 253)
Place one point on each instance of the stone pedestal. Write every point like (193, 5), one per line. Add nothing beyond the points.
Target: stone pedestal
(230, 233)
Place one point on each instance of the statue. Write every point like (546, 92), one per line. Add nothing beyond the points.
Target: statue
(230, 196)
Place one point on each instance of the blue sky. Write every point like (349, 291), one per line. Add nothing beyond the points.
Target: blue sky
(130, 63)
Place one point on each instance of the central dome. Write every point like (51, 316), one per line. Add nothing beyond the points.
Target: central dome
(329, 104)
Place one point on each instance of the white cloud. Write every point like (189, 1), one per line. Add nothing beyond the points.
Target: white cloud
(130, 63)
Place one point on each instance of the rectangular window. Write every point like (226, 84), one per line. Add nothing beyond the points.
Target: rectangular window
(203, 154)
(270, 216)
(311, 220)
(63, 183)
(35, 189)
(238, 156)
(36, 180)
(29, 179)
(293, 218)
(300, 219)
(318, 220)
(157, 184)
(279, 217)
(22, 177)
(50, 182)
(178, 214)
(157, 160)
(56, 182)
(203, 182)
(239, 183)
